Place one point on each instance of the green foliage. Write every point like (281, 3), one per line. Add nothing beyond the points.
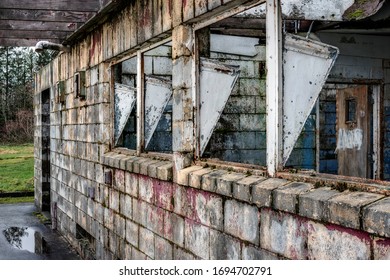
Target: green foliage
(17, 69)
(16, 168)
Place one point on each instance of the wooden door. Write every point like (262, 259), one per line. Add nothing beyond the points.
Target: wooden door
(354, 131)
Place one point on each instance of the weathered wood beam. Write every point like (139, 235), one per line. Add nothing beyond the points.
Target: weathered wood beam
(11, 42)
(37, 25)
(239, 32)
(45, 15)
(27, 34)
(63, 5)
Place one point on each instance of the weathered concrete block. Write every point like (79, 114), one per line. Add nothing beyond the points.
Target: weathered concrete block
(181, 39)
(212, 4)
(183, 174)
(242, 220)
(226, 181)
(123, 162)
(119, 180)
(132, 231)
(188, 10)
(197, 239)
(181, 76)
(144, 166)
(120, 226)
(195, 177)
(330, 242)
(174, 228)
(200, 7)
(345, 209)
(165, 172)
(146, 192)
(131, 184)
(127, 252)
(262, 191)
(209, 180)
(205, 208)
(242, 189)
(180, 254)
(163, 249)
(381, 249)
(180, 200)
(313, 204)
(163, 193)
(152, 168)
(254, 253)
(127, 206)
(138, 255)
(286, 198)
(283, 234)
(224, 247)
(146, 242)
(376, 217)
(114, 200)
(137, 164)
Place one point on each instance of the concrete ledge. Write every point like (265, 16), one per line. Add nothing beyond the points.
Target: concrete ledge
(154, 168)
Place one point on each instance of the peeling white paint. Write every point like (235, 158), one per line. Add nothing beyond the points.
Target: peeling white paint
(125, 97)
(308, 10)
(216, 84)
(306, 66)
(349, 139)
(158, 92)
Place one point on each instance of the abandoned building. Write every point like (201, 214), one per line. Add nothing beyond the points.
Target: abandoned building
(217, 129)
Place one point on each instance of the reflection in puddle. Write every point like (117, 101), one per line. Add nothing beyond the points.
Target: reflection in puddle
(23, 238)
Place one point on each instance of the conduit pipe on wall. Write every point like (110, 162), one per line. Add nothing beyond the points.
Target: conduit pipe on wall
(43, 45)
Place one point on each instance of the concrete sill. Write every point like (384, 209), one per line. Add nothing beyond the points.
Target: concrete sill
(152, 166)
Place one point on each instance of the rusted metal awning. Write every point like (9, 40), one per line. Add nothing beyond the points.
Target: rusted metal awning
(335, 10)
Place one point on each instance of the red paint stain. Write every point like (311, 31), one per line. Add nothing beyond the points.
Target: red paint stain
(357, 233)
(383, 242)
(163, 194)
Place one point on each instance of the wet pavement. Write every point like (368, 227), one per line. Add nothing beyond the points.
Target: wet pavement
(24, 237)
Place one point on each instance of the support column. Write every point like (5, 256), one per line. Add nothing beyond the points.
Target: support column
(183, 129)
(274, 88)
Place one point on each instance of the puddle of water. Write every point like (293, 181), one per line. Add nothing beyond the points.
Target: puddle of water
(23, 238)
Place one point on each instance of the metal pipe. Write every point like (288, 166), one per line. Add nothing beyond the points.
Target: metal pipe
(43, 45)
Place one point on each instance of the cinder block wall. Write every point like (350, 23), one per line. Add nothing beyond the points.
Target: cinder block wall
(111, 205)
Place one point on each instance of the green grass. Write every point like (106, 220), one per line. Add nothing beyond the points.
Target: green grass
(9, 200)
(16, 168)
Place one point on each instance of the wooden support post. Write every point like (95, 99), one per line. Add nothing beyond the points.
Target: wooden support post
(274, 87)
(140, 102)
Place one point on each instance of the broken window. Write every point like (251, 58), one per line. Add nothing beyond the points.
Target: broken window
(150, 101)
(232, 92)
(125, 124)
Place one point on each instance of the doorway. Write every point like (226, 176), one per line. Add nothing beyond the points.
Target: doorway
(45, 152)
(356, 130)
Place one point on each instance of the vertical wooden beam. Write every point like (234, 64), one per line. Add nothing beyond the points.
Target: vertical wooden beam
(140, 102)
(274, 87)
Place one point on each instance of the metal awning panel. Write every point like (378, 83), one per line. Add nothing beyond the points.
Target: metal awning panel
(125, 97)
(335, 10)
(158, 92)
(216, 84)
(307, 64)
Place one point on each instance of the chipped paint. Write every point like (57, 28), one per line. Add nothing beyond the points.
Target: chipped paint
(158, 92)
(307, 64)
(125, 97)
(349, 139)
(336, 10)
(216, 84)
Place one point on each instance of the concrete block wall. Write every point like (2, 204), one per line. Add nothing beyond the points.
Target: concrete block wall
(218, 214)
(131, 207)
